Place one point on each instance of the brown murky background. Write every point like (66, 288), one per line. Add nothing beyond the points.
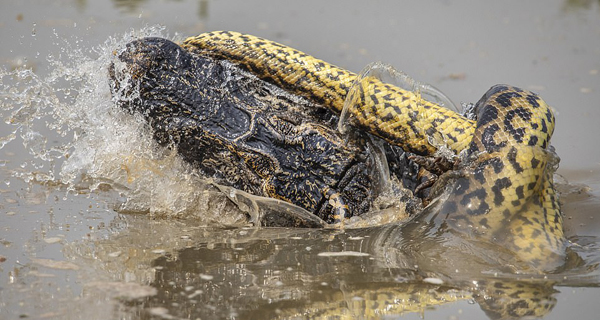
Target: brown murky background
(461, 47)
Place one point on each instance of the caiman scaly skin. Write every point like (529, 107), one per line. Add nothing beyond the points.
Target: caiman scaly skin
(249, 134)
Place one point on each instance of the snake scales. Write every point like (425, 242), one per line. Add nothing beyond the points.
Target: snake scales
(505, 193)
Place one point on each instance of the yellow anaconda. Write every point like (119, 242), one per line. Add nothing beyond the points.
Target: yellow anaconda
(507, 195)
(499, 300)
(401, 117)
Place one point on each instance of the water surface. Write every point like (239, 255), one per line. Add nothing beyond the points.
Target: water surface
(71, 249)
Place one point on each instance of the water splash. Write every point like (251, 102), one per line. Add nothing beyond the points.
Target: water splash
(77, 138)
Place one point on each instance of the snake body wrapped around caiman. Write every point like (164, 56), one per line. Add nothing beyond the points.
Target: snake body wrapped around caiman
(509, 194)
(503, 191)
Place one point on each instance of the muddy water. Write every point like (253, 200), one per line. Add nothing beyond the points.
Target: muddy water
(77, 169)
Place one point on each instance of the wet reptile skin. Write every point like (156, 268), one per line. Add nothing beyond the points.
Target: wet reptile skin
(401, 117)
(504, 192)
(248, 134)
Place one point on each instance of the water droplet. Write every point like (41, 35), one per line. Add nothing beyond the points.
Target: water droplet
(33, 30)
(206, 277)
(114, 254)
(437, 281)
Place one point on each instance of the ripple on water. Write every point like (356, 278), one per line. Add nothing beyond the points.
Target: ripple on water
(79, 142)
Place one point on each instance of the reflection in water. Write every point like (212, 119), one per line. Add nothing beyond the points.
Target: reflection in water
(130, 5)
(290, 273)
(574, 5)
(203, 9)
(81, 5)
(134, 5)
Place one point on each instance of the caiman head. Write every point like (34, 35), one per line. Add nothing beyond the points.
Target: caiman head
(244, 132)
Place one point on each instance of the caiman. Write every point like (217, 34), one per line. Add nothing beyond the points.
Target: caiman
(259, 116)
(249, 134)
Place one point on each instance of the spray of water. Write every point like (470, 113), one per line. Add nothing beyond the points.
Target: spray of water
(78, 139)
